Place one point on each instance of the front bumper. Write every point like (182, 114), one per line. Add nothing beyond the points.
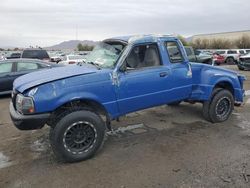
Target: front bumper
(244, 65)
(28, 122)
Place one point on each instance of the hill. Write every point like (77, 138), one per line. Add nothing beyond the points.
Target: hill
(70, 45)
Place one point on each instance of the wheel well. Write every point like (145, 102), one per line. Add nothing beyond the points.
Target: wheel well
(230, 57)
(225, 85)
(90, 105)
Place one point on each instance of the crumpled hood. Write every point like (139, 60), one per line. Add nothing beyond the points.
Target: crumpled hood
(40, 77)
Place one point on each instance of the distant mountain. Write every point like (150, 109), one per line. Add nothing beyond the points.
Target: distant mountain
(189, 39)
(70, 45)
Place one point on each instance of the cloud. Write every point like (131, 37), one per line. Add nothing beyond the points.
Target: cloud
(45, 22)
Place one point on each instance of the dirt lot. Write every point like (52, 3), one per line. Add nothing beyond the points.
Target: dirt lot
(159, 147)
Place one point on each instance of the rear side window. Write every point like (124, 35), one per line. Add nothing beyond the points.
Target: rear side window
(5, 67)
(24, 66)
(231, 52)
(35, 54)
(174, 52)
(188, 51)
(220, 52)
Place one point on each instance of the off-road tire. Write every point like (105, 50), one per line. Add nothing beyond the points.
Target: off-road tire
(221, 99)
(218, 98)
(60, 131)
(206, 104)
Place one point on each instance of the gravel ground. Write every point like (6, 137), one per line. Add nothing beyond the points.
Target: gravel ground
(159, 147)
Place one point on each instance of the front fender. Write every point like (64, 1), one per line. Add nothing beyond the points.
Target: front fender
(50, 96)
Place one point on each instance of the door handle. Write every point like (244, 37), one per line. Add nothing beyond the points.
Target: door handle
(163, 74)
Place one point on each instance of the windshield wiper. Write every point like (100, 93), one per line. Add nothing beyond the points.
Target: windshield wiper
(95, 64)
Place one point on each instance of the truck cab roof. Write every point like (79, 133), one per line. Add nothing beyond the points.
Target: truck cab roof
(136, 39)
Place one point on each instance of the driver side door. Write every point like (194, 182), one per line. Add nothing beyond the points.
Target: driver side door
(144, 83)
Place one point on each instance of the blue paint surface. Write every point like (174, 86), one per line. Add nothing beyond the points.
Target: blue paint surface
(124, 92)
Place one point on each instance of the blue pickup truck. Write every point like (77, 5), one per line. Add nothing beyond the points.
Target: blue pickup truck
(121, 75)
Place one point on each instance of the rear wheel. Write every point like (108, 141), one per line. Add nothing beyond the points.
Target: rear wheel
(220, 107)
(230, 60)
(206, 105)
(77, 136)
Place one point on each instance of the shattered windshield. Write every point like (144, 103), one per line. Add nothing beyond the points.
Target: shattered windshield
(105, 55)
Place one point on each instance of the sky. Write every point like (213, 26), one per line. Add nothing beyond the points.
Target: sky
(48, 22)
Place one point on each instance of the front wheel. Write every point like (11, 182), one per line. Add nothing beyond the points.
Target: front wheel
(77, 136)
(220, 107)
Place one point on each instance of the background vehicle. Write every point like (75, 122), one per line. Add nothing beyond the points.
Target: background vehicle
(244, 62)
(204, 57)
(218, 59)
(71, 59)
(120, 76)
(56, 59)
(35, 53)
(198, 56)
(231, 56)
(14, 56)
(11, 69)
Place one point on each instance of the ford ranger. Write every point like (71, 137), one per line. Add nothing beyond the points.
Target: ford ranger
(121, 75)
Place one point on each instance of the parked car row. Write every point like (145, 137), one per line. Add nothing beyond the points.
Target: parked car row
(231, 56)
(13, 68)
(71, 59)
(38, 53)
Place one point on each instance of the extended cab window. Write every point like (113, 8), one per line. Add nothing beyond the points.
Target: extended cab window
(174, 52)
(143, 56)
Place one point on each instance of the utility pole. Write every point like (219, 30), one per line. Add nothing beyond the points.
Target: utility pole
(76, 32)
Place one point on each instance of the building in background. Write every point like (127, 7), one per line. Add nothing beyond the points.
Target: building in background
(224, 35)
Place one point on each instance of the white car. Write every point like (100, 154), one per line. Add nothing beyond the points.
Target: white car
(72, 59)
(232, 55)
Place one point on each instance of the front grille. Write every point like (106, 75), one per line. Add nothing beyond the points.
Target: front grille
(245, 60)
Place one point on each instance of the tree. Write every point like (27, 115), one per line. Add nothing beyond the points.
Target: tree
(183, 40)
(212, 44)
(220, 44)
(80, 47)
(86, 47)
(242, 42)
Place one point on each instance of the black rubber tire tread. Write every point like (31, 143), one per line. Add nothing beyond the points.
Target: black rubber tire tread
(177, 103)
(206, 104)
(216, 98)
(56, 135)
(228, 60)
(241, 68)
